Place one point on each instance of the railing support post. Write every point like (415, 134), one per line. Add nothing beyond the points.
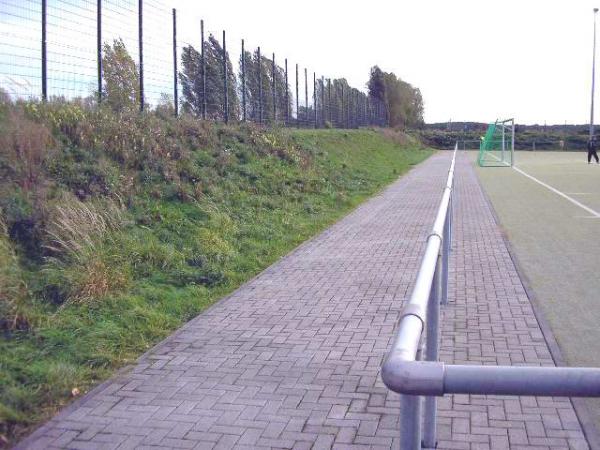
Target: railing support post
(433, 333)
(410, 420)
(446, 244)
(451, 223)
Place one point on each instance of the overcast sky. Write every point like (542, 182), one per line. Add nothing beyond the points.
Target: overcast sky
(472, 60)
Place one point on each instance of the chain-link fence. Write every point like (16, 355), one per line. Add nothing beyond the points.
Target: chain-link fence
(56, 49)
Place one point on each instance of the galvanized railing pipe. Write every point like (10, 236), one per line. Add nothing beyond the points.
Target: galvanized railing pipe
(405, 373)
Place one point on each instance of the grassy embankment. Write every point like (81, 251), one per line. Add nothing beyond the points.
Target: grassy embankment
(116, 229)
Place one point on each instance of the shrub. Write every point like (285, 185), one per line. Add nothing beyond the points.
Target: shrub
(24, 147)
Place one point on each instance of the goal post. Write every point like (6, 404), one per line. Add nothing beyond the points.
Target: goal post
(497, 147)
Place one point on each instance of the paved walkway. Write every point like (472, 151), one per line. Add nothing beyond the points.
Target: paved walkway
(291, 359)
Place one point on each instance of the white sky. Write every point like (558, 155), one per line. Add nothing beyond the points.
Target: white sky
(472, 60)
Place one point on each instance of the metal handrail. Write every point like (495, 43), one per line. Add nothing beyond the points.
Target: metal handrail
(403, 370)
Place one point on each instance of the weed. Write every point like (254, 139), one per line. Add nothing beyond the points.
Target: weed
(85, 264)
(13, 312)
(129, 224)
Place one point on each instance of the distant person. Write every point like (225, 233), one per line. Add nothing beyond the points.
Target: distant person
(592, 151)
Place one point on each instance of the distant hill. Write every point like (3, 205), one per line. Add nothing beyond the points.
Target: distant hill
(527, 137)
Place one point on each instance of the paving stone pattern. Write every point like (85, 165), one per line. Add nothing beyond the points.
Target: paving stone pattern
(292, 358)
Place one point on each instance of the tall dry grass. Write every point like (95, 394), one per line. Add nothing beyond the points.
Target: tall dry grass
(12, 287)
(86, 262)
(25, 145)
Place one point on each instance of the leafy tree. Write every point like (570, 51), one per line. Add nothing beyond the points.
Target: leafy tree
(121, 88)
(264, 67)
(402, 103)
(191, 80)
(376, 84)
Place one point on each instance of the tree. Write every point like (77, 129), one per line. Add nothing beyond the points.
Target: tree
(121, 88)
(376, 84)
(264, 67)
(191, 81)
(402, 103)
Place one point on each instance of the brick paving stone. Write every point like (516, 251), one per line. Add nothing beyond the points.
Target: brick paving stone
(489, 320)
(292, 358)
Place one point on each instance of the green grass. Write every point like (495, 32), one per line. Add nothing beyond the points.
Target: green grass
(181, 250)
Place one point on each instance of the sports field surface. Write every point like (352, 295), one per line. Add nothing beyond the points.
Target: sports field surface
(549, 209)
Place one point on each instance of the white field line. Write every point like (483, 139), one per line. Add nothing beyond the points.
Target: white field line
(595, 214)
(556, 191)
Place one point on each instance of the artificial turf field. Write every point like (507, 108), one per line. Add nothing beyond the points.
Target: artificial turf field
(556, 243)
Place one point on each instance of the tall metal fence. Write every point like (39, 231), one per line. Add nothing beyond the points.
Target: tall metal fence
(55, 49)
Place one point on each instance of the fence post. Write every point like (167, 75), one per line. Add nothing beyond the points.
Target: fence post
(297, 101)
(44, 55)
(273, 88)
(342, 107)
(203, 65)
(306, 95)
(225, 93)
(260, 102)
(351, 106)
(243, 82)
(99, 46)
(329, 99)
(175, 97)
(287, 95)
(315, 98)
(141, 49)
(322, 101)
(432, 330)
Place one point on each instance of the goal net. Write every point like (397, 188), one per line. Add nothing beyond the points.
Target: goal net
(497, 147)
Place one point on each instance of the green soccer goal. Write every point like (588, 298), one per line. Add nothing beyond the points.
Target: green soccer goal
(497, 147)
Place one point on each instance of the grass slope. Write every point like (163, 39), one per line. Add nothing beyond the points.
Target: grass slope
(92, 283)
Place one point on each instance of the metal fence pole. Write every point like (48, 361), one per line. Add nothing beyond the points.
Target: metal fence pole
(225, 76)
(141, 50)
(243, 82)
(342, 108)
(315, 98)
(432, 329)
(410, 419)
(287, 95)
(175, 93)
(322, 101)
(274, 89)
(329, 98)
(297, 101)
(203, 65)
(99, 46)
(260, 102)
(44, 54)
(306, 95)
